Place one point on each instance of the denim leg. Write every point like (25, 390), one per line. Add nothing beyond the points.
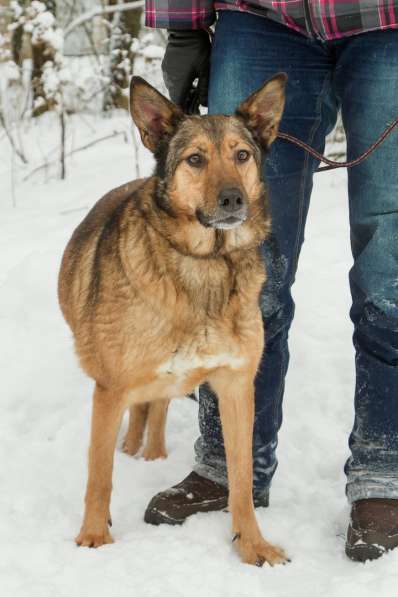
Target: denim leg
(367, 75)
(247, 51)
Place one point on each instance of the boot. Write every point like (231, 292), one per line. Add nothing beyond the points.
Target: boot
(373, 529)
(194, 494)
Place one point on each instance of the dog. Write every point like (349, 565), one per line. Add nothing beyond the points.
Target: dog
(160, 285)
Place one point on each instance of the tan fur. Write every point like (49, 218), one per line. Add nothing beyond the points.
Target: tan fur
(159, 303)
(150, 415)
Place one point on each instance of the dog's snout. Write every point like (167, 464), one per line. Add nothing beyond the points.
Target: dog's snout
(231, 200)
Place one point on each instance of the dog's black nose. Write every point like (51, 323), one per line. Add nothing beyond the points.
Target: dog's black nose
(231, 200)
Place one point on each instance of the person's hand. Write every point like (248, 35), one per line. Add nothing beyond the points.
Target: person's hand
(187, 58)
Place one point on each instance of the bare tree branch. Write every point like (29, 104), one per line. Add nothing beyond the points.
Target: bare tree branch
(63, 135)
(11, 140)
(101, 10)
(69, 153)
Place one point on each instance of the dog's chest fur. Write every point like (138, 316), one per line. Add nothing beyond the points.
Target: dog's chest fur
(207, 344)
(184, 361)
(179, 374)
(179, 367)
(214, 325)
(179, 327)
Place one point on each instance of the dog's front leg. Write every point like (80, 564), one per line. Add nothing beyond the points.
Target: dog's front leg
(235, 392)
(106, 417)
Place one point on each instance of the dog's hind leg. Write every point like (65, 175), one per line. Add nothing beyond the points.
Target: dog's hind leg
(106, 417)
(135, 432)
(156, 434)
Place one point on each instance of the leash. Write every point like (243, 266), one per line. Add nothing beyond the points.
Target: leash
(331, 163)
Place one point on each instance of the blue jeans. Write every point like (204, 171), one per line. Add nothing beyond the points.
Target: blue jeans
(358, 74)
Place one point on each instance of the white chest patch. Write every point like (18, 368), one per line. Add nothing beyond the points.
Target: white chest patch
(181, 364)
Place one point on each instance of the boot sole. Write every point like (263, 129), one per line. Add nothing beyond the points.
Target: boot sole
(364, 546)
(157, 516)
(364, 552)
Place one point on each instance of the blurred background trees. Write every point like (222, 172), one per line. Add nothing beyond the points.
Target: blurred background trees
(38, 35)
(68, 57)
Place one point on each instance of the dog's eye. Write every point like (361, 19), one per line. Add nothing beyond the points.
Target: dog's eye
(195, 160)
(242, 155)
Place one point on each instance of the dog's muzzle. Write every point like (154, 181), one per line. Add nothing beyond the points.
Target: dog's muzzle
(231, 211)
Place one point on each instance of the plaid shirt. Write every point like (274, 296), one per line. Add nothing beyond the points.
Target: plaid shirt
(324, 19)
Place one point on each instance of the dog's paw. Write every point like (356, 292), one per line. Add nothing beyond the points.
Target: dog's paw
(259, 552)
(131, 446)
(94, 538)
(153, 453)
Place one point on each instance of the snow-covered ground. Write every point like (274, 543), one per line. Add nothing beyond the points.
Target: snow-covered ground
(46, 403)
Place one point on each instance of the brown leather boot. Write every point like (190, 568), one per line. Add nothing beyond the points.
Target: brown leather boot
(194, 494)
(373, 529)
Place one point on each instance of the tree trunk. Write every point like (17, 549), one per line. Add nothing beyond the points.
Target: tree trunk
(124, 27)
(41, 53)
(16, 45)
(17, 38)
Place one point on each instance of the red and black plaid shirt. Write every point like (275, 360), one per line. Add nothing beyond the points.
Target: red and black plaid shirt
(325, 19)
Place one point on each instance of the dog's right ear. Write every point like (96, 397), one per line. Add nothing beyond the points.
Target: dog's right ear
(154, 115)
(262, 110)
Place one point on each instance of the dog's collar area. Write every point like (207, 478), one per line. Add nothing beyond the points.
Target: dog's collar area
(180, 250)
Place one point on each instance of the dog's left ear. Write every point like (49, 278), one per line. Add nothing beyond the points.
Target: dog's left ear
(262, 110)
(154, 115)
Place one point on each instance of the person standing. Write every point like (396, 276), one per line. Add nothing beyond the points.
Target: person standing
(338, 55)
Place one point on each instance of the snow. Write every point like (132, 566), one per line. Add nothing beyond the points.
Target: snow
(153, 51)
(45, 413)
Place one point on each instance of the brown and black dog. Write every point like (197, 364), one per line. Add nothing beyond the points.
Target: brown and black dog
(160, 286)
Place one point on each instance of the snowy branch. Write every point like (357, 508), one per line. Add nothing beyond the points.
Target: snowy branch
(101, 10)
